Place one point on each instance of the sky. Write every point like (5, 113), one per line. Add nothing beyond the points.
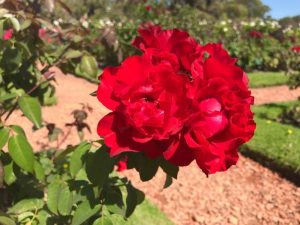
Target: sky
(283, 8)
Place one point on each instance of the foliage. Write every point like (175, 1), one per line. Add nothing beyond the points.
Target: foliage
(76, 185)
(259, 44)
(100, 32)
(19, 72)
(291, 116)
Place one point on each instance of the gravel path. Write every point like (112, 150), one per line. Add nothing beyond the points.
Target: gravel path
(247, 194)
(274, 94)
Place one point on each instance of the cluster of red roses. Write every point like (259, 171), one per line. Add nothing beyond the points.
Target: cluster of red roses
(179, 100)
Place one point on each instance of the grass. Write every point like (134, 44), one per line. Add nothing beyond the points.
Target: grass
(277, 143)
(145, 214)
(272, 111)
(266, 79)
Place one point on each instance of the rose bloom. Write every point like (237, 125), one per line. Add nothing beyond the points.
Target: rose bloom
(7, 34)
(296, 49)
(42, 33)
(148, 7)
(256, 34)
(178, 100)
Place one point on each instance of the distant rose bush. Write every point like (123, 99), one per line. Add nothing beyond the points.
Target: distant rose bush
(179, 100)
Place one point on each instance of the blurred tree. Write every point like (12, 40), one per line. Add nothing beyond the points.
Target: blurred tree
(287, 21)
(227, 8)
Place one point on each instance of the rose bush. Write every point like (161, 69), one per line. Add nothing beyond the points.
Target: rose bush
(74, 185)
(179, 100)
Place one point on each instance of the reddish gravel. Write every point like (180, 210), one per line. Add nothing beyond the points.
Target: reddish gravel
(247, 194)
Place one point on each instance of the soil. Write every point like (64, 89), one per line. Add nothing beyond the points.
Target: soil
(274, 94)
(247, 194)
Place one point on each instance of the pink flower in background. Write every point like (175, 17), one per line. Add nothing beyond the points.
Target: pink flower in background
(7, 34)
(42, 33)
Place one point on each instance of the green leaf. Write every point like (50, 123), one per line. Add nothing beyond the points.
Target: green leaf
(1, 26)
(12, 58)
(88, 66)
(71, 53)
(5, 220)
(147, 168)
(32, 109)
(103, 220)
(9, 96)
(19, 130)
(21, 152)
(9, 175)
(53, 196)
(26, 205)
(76, 162)
(84, 212)
(3, 12)
(169, 168)
(93, 94)
(4, 134)
(98, 166)
(42, 217)
(60, 199)
(39, 171)
(61, 155)
(25, 24)
(131, 200)
(65, 200)
(15, 23)
(168, 181)
(25, 216)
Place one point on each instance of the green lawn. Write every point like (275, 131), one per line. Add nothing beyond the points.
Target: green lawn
(145, 214)
(273, 110)
(265, 79)
(275, 142)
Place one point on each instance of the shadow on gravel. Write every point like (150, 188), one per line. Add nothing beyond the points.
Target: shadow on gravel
(283, 171)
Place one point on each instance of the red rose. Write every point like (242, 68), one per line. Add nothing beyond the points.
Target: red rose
(174, 41)
(7, 34)
(296, 49)
(256, 34)
(147, 95)
(148, 7)
(178, 100)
